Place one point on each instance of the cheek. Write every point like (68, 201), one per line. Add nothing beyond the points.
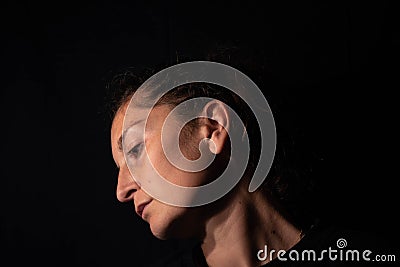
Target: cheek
(170, 172)
(157, 157)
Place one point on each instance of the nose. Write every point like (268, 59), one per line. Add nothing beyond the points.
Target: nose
(126, 186)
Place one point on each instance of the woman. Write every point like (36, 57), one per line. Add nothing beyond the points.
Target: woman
(238, 229)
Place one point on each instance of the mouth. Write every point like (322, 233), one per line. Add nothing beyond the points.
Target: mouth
(140, 208)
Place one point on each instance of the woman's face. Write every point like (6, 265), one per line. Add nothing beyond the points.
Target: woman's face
(165, 221)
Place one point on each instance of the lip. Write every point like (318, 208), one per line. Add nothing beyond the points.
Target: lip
(140, 208)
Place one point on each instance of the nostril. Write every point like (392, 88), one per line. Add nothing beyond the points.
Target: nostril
(126, 187)
(126, 194)
(131, 193)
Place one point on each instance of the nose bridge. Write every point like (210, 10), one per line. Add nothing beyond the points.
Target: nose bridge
(126, 185)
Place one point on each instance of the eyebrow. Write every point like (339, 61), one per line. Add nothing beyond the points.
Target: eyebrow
(120, 138)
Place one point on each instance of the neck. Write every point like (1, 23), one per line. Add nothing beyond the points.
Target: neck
(235, 235)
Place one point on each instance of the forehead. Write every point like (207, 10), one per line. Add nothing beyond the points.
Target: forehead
(127, 116)
(118, 120)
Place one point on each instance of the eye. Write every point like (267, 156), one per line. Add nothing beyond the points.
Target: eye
(135, 151)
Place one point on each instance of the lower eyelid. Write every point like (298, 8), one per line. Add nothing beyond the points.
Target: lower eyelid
(137, 147)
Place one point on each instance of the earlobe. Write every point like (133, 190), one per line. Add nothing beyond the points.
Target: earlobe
(217, 124)
(211, 146)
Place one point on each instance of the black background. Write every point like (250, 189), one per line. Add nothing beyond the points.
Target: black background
(337, 64)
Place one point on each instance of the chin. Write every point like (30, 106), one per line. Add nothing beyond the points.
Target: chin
(160, 229)
(166, 227)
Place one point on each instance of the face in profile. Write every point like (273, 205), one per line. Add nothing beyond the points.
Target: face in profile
(165, 220)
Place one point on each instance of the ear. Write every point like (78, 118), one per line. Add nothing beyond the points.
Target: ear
(216, 125)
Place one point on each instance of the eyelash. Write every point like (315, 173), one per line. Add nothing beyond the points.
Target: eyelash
(135, 151)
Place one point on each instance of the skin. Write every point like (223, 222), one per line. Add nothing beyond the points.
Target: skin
(232, 229)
